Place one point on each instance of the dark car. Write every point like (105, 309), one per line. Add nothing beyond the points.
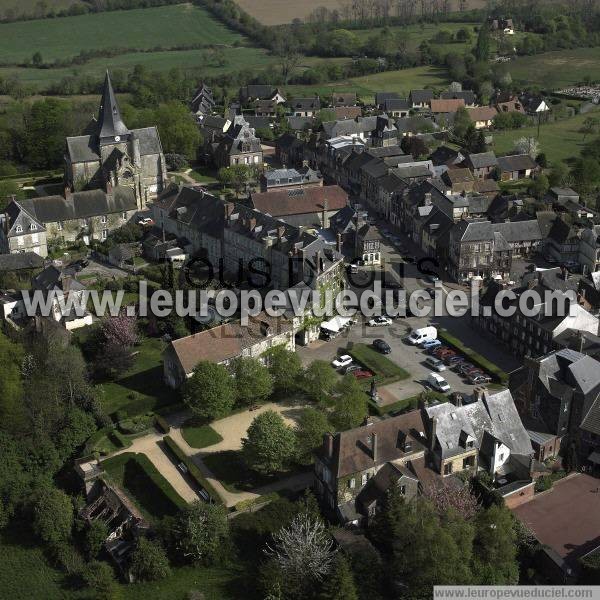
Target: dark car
(382, 346)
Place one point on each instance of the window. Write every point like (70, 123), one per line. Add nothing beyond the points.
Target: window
(104, 234)
(352, 483)
(59, 226)
(103, 219)
(33, 227)
(447, 468)
(402, 489)
(18, 229)
(501, 456)
(124, 216)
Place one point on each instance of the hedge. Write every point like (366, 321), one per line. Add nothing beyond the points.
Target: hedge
(384, 369)
(406, 404)
(161, 424)
(247, 505)
(496, 372)
(193, 470)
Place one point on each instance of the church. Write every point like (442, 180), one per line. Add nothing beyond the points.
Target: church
(114, 156)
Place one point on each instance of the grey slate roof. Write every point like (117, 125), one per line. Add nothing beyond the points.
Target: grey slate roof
(300, 123)
(381, 97)
(110, 122)
(21, 260)
(396, 104)
(516, 162)
(467, 95)
(420, 96)
(481, 160)
(512, 231)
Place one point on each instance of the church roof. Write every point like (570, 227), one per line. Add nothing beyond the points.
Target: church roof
(110, 122)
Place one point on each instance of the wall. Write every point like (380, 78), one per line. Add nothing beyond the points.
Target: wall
(520, 496)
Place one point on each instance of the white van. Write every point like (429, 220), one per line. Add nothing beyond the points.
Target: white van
(437, 382)
(418, 336)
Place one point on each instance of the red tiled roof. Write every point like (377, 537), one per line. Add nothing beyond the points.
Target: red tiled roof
(446, 106)
(300, 200)
(482, 113)
(347, 112)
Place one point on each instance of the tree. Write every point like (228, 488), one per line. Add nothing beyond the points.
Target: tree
(318, 381)
(202, 532)
(270, 443)
(444, 497)
(177, 128)
(340, 584)
(589, 125)
(95, 536)
(312, 426)
(209, 392)
(559, 175)
(225, 176)
(304, 552)
(464, 35)
(586, 174)
(176, 162)
(527, 145)
(289, 58)
(121, 330)
(285, 368)
(46, 127)
(99, 577)
(53, 516)
(37, 60)
(462, 122)
(494, 549)
(350, 407)
(149, 561)
(539, 186)
(482, 47)
(253, 382)
(11, 391)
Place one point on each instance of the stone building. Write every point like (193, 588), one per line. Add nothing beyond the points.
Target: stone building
(113, 155)
(21, 232)
(238, 146)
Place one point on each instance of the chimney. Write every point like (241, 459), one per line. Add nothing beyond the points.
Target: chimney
(265, 328)
(325, 216)
(338, 242)
(374, 446)
(478, 392)
(229, 208)
(433, 433)
(457, 399)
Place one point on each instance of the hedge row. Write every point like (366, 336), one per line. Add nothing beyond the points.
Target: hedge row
(193, 470)
(496, 372)
(161, 424)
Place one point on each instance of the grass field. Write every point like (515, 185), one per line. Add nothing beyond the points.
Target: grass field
(141, 29)
(552, 70)
(278, 12)
(29, 7)
(200, 436)
(559, 141)
(390, 81)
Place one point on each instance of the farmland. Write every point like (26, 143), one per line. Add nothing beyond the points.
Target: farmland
(32, 7)
(551, 70)
(142, 29)
(278, 12)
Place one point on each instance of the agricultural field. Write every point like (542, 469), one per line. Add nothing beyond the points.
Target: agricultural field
(33, 8)
(560, 141)
(390, 81)
(142, 29)
(279, 12)
(552, 70)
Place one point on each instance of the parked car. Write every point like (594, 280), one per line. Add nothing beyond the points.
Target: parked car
(381, 346)
(437, 382)
(352, 268)
(435, 363)
(446, 353)
(342, 361)
(352, 368)
(408, 259)
(431, 278)
(379, 322)
(431, 344)
(182, 467)
(454, 360)
(362, 374)
(464, 367)
(146, 222)
(437, 350)
(479, 379)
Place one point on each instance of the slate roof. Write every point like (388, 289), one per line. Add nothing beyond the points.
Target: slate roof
(467, 96)
(381, 97)
(299, 200)
(494, 414)
(512, 231)
(110, 122)
(258, 122)
(443, 155)
(275, 177)
(347, 112)
(352, 452)
(17, 215)
(81, 205)
(485, 186)
(481, 160)
(347, 127)
(300, 123)
(454, 176)
(516, 162)
(420, 96)
(313, 103)
(392, 104)
(21, 260)
(54, 278)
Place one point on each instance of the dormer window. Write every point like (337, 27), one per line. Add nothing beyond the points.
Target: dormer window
(18, 229)
(33, 227)
(103, 219)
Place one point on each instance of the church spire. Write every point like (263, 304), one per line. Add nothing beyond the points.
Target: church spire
(110, 123)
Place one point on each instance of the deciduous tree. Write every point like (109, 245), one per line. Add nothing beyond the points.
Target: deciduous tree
(53, 516)
(149, 561)
(285, 368)
(210, 391)
(312, 425)
(253, 382)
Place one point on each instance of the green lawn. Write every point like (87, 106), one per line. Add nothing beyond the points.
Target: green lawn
(141, 29)
(559, 140)
(384, 369)
(141, 389)
(140, 479)
(200, 436)
(216, 583)
(551, 70)
(401, 81)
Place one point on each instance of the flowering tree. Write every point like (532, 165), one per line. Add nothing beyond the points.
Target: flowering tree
(303, 551)
(444, 497)
(120, 330)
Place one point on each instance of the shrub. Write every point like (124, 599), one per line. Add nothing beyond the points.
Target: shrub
(161, 424)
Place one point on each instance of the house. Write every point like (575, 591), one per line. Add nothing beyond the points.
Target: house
(20, 261)
(384, 132)
(202, 103)
(534, 105)
(588, 292)
(289, 150)
(302, 206)
(417, 125)
(223, 344)
(250, 93)
(274, 179)
(342, 99)
(484, 434)
(21, 232)
(482, 116)
(486, 187)
(238, 146)
(459, 180)
(482, 164)
(510, 104)
(347, 112)
(445, 156)
(516, 166)
(368, 245)
(559, 394)
(66, 294)
(265, 108)
(531, 335)
(443, 107)
(381, 97)
(354, 469)
(564, 241)
(396, 107)
(123, 255)
(306, 107)
(113, 156)
(467, 96)
(420, 98)
(589, 249)
(361, 128)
